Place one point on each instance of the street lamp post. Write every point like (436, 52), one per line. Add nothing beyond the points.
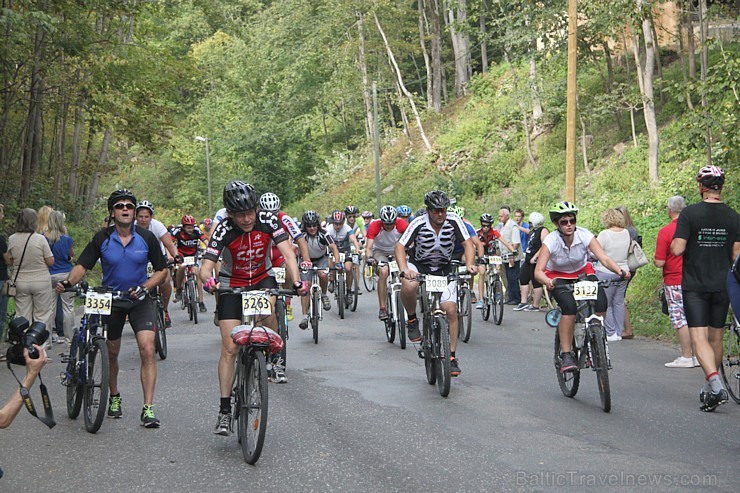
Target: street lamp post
(208, 173)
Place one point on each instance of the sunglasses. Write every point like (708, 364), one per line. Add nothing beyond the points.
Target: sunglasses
(566, 222)
(439, 211)
(124, 205)
(483, 225)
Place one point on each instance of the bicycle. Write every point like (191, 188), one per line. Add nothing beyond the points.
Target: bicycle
(396, 320)
(730, 368)
(256, 347)
(281, 313)
(87, 372)
(493, 297)
(160, 328)
(341, 285)
(355, 291)
(189, 298)
(589, 342)
(464, 302)
(315, 308)
(369, 276)
(435, 345)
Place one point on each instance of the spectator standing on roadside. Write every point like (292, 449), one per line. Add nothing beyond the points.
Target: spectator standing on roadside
(523, 228)
(44, 212)
(635, 235)
(708, 237)
(616, 241)
(537, 234)
(61, 246)
(510, 233)
(672, 266)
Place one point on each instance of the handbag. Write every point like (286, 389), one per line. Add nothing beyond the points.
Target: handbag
(636, 257)
(663, 301)
(9, 288)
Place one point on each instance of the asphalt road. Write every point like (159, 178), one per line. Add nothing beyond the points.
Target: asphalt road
(358, 415)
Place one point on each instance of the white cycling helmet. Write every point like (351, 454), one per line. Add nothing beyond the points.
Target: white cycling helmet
(270, 202)
(536, 219)
(388, 214)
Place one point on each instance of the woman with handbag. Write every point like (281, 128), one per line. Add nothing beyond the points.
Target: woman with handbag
(635, 235)
(616, 241)
(29, 256)
(61, 246)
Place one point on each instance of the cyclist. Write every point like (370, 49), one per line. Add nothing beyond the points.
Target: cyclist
(459, 250)
(242, 241)
(145, 219)
(186, 238)
(355, 221)
(708, 237)
(317, 241)
(433, 236)
(382, 236)
(124, 250)
(367, 217)
(343, 236)
(487, 236)
(404, 212)
(562, 259)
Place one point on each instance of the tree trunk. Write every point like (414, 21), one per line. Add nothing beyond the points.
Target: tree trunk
(584, 149)
(682, 56)
(645, 73)
(367, 98)
(437, 67)
(73, 185)
(460, 46)
(92, 192)
(632, 123)
(484, 38)
(690, 45)
(658, 62)
(427, 61)
(536, 104)
(525, 121)
(609, 66)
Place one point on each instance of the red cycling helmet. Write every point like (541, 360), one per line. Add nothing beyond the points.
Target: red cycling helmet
(188, 220)
(337, 216)
(207, 222)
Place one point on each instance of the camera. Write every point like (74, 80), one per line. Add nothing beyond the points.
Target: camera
(21, 336)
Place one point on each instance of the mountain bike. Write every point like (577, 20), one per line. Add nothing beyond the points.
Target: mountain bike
(315, 308)
(369, 276)
(354, 293)
(730, 368)
(281, 313)
(589, 341)
(87, 371)
(493, 297)
(341, 285)
(396, 321)
(190, 291)
(464, 303)
(160, 328)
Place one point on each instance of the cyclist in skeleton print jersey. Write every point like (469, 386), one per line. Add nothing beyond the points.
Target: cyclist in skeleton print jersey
(433, 236)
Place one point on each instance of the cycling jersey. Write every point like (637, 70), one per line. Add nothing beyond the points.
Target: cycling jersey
(432, 250)
(385, 241)
(568, 263)
(318, 244)
(245, 255)
(459, 248)
(341, 237)
(159, 231)
(187, 244)
(290, 227)
(488, 240)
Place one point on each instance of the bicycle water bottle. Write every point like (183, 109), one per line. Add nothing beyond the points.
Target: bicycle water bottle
(580, 334)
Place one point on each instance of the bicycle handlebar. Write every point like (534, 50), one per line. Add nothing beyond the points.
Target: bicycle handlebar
(271, 291)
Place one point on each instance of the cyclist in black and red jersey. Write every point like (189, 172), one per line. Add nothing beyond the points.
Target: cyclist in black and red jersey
(487, 236)
(243, 242)
(186, 238)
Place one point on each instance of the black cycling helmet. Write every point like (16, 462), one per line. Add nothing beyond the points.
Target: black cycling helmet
(119, 195)
(486, 218)
(351, 209)
(240, 196)
(310, 218)
(436, 199)
(711, 177)
(420, 212)
(145, 204)
(562, 209)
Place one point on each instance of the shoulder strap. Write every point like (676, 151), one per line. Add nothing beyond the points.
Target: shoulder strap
(18, 269)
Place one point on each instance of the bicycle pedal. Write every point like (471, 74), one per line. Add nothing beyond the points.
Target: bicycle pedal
(66, 358)
(420, 352)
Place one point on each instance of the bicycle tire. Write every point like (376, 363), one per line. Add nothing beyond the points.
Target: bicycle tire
(253, 399)
(75, 389)
(315, 317)
(568, 381)
(730, 368)
(442, 336)
(367, 277)
(355, 288)
(465, 319)
(400, 321)
(160, 332)
(341, 287)
(96, 386)
(282, 328)
(426, 347)
(390, 322)
(485, 312)
(601, 364)
(498, 302)
(192, 301)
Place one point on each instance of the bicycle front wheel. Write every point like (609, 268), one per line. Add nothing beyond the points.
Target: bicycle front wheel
(498, 302)
(426, 347)
(315, 317)
(390, 322)
(355, 294)
(400, 321)
(341, 287)
(442, 339)
(253, 401)
(96, 387)
(568, 381)
(730, 368)
(192, 301)
(601, 364)
(465, 319)
(485, 312)
(367, 277)
(160, 333)
(75, 389)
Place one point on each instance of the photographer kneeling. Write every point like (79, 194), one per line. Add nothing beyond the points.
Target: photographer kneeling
(33, 367)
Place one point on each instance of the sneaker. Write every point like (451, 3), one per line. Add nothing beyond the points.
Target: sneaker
(325, 302)
(383, 314)
(531, 308)
(520, 307)
(215, 318)
(479, 305)
(454, 367)
(148, 420)
(202, 307)
(614, 338)
(696, 362)
(114, 407)
(567, 362)
(278, 374)
(178, 296)
(331, 287)
(412, 330)
(167, 320)
(681, 362)
(223, 425)
(714, 399)
(304, 323)
(55, 339)
(289, 312)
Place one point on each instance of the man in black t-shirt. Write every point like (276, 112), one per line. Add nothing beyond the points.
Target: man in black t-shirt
(708, 237)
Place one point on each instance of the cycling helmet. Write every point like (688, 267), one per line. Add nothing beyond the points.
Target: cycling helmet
(207, 222)
(240, 196)
(436, 199)
(536, 219)
(388, 214)
(145, 204)
(188, 221)
(711, 177)
(403, 210)
(351, 209)
(337, 216)
(270, 202)
(420, 212)
(486, 218)
(562, 208)
(118, 195)
(310, 218)
(456, 209)
(367, 215)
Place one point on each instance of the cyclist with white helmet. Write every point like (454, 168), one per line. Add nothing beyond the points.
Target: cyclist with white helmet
(537, 233)
(382, 236)
(355, 221)
(343, 236)
(367, 217)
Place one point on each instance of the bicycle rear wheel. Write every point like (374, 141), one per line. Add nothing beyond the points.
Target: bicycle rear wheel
(390, 322)
(160, 332)
(75, 389)
(568, 381)
(485, 312)
(601, 364)
(253, 401)
(96, 387)
(465, 318)
(367, 277)
(442, 339)
(730, 368)
(400, 321)
(282, 328)
(426, 347)
(355, 294)
(498, 302)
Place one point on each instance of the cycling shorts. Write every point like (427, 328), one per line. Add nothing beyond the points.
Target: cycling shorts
(706, 309)
(567, 303)
(140, 315)
(381, 257)
(229, 305)
(450, 294)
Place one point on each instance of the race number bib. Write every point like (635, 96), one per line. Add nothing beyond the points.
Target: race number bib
(341, 257)
(149, 269)
(188, 261)
(436, 284)
(355, 259)
(256, 303)
(98, 303)
(462, 269)
(279, 274)
(495, 260)
(393, 266)
(585, 290)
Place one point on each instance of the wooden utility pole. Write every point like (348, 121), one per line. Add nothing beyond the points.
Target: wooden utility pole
(570, 135)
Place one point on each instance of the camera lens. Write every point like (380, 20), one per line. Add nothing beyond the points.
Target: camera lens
(36, 334)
